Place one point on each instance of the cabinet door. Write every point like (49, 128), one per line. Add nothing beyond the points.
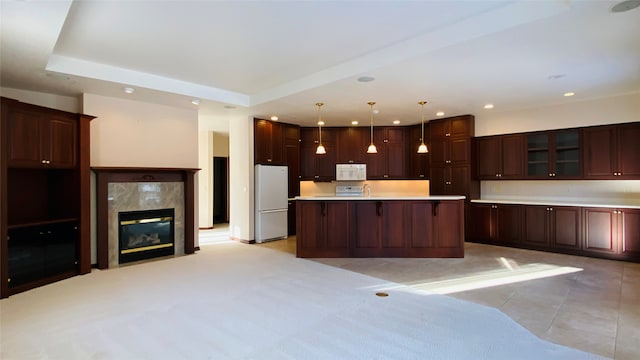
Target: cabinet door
(512, 164)
(437, 180)
(367, 240)
(395, 154)
(536, 226)
(418, 166)
(481, 222)
(565, 227)
(326, 163)
(308, 145)
(600, 230)
(629, 151)
(352, 145)
(62, 143)
(447, 235)
(393, 228)
(509, 223)
(60, 254)
(310, 227)
(25, 255)
(268, 142)
(26, 135)
(337, 227)
(489, 157)
(630, 233)
(600, 152)
(567, 156)
(538, 156)
(292, 157)
(459, 179)
(439, 152)
(421, 236)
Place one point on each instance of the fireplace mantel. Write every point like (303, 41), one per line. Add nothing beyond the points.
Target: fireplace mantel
(107, 175)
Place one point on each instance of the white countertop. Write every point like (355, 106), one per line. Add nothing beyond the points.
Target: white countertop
(380, 197)
(558, 203)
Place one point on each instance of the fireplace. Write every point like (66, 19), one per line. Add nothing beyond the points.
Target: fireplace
(145, 234)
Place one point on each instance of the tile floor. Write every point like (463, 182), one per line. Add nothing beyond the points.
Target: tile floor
(585, 303)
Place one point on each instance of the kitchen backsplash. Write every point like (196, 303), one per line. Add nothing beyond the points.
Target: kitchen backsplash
(378, 187)
(623, 192)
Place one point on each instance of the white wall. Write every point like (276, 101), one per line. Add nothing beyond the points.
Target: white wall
(241, 177)
(611, 110)
(136, 134)
(65, 103)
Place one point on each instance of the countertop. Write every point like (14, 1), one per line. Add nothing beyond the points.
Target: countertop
(379, 197)
(586, 203)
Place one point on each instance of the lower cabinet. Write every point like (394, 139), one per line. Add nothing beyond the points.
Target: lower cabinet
(40, 252)
(591, 231)
(495, 223)
(612, 231)
(552, 226)
(387, 228)
(322, 228)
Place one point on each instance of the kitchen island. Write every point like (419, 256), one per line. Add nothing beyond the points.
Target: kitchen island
(380, 226)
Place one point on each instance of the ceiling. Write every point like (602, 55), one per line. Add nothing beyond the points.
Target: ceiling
(265, 58)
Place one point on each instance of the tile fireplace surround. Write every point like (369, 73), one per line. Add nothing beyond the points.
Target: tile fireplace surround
(129, 189)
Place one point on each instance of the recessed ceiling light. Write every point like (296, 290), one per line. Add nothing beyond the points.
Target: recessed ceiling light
(440, 113)
(396, 122)
(625, 6)
(354, 122)
(366, 78)
(567, 94)
(195, 101)
(274, 118)
(488, 106)
(129, 90)
(320, 122)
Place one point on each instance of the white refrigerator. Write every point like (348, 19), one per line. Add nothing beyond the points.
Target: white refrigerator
(271, 193)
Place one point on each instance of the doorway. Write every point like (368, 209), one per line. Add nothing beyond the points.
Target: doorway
(220, 190)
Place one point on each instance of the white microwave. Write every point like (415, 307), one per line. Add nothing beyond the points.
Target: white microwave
(351, 172)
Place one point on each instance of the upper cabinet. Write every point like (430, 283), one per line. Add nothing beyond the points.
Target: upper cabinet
(450, 164)
(317, 167)
(352, 145)
(453, 127)
(40, 139)
(268, 144)
(418, 164)
(291, 151)
(612, 152)
(500, 157)
(554, 155)
(389, 162)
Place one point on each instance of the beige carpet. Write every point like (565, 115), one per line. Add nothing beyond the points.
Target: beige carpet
(235, 301)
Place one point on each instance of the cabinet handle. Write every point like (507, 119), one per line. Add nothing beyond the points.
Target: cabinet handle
(350, 161)
(447, 134)
(448, 161)
(379, 208)
(550, 209)
(447, 182)
(268, 160)
(421, 175)
(385, 140)
(552, 174)
(147, 177)
(385, 175)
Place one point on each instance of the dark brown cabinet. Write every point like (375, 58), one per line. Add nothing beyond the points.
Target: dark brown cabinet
(45, 196)
(450, 162)
(268, 142)
(384, 228)
(352, 145)
(317, 167)
(450, 180)
(612, 152)
(495, 223)
(554, 154)
(389, 162)
(500, 157)
(40, 140)
(322, 228)
(380, 229)
(613, 232)
(552, 226)
(418, 164)
(291, 150)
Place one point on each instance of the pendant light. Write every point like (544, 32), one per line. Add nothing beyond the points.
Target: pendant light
(372, 147)
(320, 150)
(422, 149)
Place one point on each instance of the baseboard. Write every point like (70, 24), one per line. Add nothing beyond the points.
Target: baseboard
(206, 228)
(243, 240)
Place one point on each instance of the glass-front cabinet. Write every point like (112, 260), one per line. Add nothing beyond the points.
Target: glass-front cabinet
(554, 154)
